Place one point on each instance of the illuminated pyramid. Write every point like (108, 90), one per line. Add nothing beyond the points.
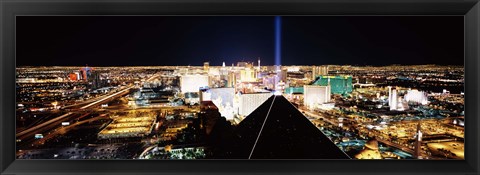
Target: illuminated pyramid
(277, 130)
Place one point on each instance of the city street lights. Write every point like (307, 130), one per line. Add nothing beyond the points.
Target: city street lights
(55, 103)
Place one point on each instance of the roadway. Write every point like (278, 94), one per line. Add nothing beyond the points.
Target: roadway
(65, 129)
(29, 131)
(65, 117)
(55, 122)
(89, 101)
(401, 147)
(318, 116)
(108, 97)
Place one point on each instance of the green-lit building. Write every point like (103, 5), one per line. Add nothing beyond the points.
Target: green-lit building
(338, 84)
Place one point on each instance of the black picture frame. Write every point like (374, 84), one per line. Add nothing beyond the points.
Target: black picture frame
(11, 8)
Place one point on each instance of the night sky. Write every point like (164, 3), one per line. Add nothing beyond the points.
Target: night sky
(190, 40)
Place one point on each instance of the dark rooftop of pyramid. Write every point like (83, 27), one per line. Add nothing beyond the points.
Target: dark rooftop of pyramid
(286, 134)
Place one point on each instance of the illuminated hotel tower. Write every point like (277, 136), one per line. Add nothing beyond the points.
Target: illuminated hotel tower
(258, 63)
(86, 72)
(392, 98)
(418, 143)
(206, 66)
(389, 94)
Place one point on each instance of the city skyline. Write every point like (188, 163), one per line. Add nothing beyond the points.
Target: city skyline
(240, 87)
(176, 40)
(240, 112)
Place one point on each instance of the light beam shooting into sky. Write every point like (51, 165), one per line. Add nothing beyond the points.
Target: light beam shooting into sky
(278, 42)
(278, 49)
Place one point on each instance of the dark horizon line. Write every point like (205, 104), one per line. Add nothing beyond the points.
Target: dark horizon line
(356, 65)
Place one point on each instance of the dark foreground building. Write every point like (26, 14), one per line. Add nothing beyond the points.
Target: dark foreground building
(276, 130)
